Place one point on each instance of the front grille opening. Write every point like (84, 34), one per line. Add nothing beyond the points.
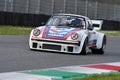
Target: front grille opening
(70, 48)
(34, 45)
(52, 47)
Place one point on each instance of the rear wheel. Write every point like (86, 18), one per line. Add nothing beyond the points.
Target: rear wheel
(85, 48)
(101, 50)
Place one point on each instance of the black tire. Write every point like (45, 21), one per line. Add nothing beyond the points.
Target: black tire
(101, 50)
(85, 46)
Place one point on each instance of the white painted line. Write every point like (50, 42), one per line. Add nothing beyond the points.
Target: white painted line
(23, 76)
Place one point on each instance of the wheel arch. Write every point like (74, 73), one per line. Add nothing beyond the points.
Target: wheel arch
(30, 45)
(100, 40)
(83, 38)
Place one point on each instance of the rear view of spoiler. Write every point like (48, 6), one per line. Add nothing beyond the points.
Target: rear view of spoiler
(97, 24)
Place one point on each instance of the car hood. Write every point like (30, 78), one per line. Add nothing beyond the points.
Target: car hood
(59, 33)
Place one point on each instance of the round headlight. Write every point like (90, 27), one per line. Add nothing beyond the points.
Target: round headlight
(36, 32)
(74, 36)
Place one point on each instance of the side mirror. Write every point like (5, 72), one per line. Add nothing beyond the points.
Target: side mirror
(97, 24)
(90, 28)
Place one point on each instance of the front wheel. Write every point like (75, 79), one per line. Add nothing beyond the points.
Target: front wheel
(85, 48)
(102, 49)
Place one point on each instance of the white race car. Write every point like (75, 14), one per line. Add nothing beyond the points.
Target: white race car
(69, 33)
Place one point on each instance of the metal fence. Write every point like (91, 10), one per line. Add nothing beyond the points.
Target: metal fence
(95, 9)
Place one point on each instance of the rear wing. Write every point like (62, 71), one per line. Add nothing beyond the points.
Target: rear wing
(97, 24)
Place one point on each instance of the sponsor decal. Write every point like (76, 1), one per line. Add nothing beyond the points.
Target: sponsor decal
(59, 34)
(93, 42)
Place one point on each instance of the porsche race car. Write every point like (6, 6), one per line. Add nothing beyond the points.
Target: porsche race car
(69, 33)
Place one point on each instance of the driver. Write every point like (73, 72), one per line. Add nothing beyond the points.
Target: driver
(75, 22)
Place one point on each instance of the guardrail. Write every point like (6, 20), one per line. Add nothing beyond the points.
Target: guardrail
(23, 19)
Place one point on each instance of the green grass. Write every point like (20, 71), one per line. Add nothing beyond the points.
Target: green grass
(101, 77)
(111, 33)
(17, 30)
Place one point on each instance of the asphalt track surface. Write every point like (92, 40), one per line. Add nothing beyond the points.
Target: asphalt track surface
(15, 55)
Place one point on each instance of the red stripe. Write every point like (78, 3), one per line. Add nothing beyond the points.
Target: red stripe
(44, 36)
(53, 30)
(103, 66)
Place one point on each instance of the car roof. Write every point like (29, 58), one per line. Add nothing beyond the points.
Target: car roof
(64, 14)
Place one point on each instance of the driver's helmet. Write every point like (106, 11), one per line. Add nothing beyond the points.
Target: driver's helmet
(77, 22)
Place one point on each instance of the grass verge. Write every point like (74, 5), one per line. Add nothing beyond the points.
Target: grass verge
(111, 33)
(101, 77)
(17, 30)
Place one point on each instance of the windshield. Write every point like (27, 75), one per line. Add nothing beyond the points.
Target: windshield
(66, 21)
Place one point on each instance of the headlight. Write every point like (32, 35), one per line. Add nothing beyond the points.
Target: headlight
(36, 32)
(74, 36)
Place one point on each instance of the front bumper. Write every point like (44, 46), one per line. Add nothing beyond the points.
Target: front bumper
(55, 45)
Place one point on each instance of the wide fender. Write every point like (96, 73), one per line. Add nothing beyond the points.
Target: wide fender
(83, 38)
(99, 40)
